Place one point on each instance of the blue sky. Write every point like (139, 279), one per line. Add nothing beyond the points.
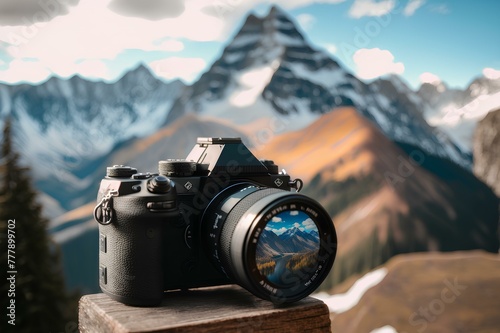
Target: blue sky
(427, 40)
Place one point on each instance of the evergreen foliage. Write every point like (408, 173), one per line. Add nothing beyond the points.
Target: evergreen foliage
(41, 302)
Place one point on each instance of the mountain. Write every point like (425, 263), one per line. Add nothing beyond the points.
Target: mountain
(422, 292)
(269, 79)
(63, 126)
(486, 150)
(291, 241)
(385, 198)
(457, 112)
(438, 95)
(299, 241)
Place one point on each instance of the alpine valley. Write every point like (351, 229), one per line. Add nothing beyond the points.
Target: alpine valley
(392, 183)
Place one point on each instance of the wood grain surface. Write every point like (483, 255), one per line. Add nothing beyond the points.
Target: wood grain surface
(217, 309)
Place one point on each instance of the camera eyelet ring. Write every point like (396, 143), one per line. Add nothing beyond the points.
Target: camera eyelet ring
(104, 212)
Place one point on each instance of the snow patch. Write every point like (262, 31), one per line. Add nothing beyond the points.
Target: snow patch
(344, 302)
(381, 119)
(244, 40)
(251, 83)
(233, 57)
(283, 39)
(324, 77)
(385, 329)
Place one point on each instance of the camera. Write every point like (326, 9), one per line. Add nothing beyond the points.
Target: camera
(220, 216)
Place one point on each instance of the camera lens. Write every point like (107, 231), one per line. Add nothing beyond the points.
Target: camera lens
(277, 244)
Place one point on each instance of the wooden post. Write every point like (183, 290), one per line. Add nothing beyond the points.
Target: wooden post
(216, 309)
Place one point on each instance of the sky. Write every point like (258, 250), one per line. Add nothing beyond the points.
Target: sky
(421, 40)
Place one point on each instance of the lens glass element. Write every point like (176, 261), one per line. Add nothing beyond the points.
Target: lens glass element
(278, 245)
(288, 248)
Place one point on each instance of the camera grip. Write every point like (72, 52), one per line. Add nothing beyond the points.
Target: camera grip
(130, 256)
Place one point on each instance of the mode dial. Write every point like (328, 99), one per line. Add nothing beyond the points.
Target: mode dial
(120, 171)
(177, 168)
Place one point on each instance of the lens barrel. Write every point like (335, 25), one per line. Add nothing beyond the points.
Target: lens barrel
(277, 244)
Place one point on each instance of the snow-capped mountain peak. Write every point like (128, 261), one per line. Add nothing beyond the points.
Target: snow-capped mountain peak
(264, 39)
(64, 125)
(269, 74)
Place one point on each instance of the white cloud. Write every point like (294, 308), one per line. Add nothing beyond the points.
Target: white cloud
(309, 224)
(177, 67)
(21, 69)
(361, 8)
(412, 7)
(372, 63)
(294, 212)
(276, 219)
(280, 231)
(431, 78)
(18, 70)
(491, 73)
(306, 21)
(90, 30)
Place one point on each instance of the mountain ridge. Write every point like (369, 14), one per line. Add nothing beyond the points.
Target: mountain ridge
(293, 241)
(63, 127)
(269, 71)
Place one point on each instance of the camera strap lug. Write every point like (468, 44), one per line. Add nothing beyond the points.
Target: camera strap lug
(296, 184)
(103, 212)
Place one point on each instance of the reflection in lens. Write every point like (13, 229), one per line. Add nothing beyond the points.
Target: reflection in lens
(288, 248)
(279, 245)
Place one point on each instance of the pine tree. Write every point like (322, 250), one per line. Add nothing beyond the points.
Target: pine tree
(41, 302)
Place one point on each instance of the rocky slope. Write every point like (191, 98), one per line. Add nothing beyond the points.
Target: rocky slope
(487, 150)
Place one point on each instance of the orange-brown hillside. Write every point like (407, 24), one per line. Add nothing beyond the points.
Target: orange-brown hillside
(383, 201)
(337, 138)
(430, 292)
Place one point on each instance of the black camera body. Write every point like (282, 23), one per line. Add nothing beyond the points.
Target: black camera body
(199, 222)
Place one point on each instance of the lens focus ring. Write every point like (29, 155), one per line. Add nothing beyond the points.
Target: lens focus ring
(240, 209)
